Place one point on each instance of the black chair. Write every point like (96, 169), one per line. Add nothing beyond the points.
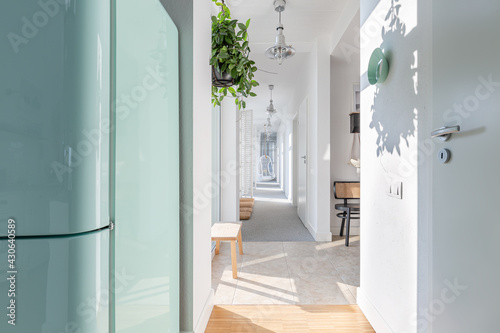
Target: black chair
(348, 210)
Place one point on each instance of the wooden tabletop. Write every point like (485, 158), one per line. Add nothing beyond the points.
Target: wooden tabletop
(226, 230)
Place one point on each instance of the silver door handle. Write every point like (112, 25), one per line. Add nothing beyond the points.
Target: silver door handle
(303, 157)
(444, 133)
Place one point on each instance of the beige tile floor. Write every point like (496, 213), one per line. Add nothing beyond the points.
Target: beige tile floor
(288, 273)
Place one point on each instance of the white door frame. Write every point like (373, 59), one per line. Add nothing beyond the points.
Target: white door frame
(303, 113)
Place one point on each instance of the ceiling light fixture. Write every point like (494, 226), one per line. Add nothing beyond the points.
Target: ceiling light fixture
(270, 109)
(267, 129)
(280, 51)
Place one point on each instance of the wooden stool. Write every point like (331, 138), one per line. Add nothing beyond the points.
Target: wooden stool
(228, 231)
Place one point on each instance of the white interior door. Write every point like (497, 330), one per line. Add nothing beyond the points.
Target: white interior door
(466, 190)
(302, 162)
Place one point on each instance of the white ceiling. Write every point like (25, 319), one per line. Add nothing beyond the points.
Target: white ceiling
(303, 20)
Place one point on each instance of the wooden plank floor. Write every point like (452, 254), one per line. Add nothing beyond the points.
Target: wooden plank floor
(288, 318)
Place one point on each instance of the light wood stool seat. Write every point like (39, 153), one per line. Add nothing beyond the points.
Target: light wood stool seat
(228, 231)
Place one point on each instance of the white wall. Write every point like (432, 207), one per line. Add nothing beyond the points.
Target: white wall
(289, 161)
(192, 19)
(314, 83)
(389, 226)
(256, 152)
(321, 130)
(202, 170)
(295, 160)
(281, 158)
(230, 183)
(344, 72)
(428, 262)
(286, 132)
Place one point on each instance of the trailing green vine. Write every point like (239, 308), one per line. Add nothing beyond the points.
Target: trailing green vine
(230, 53)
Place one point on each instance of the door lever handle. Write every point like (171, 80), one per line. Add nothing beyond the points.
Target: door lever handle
(444, 133)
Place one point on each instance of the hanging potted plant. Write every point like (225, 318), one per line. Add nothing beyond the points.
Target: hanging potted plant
(232, 70)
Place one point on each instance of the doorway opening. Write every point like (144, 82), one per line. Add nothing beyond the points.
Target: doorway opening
(282, 263)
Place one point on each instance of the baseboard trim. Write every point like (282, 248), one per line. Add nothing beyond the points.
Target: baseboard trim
(319, 236)
(201, 326)
(371, 313)
(323, 237)
(310, 228)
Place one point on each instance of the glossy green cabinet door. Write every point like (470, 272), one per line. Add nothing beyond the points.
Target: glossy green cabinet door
(54, 115)
(146, 235)
(61, 284)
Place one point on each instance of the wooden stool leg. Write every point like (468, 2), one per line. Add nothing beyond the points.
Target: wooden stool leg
(233, 259)
(240, 243)
(348, 227)
(217, 246)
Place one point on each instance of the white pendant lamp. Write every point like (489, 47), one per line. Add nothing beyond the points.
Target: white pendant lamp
(271, 110)
(280, 51)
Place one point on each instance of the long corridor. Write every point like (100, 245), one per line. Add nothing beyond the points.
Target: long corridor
(274, 218)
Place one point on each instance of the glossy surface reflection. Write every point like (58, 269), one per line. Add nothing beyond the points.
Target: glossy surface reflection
(147, 169)
(54, 128)
(54, 148)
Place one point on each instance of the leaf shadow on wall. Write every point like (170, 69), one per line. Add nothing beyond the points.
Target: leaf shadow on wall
(394, 113)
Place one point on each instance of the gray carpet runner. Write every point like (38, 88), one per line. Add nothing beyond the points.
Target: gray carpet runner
(273, 219)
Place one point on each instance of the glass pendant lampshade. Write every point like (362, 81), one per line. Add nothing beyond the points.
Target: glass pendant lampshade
(271, 109)
(280, 50)
(266, 131)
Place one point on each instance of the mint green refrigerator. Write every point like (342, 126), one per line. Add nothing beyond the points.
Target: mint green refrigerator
(89, 178)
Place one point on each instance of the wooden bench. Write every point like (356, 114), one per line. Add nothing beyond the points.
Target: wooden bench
(348, 211)
(228, 231)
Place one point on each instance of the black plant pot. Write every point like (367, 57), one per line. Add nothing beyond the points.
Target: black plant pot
(221, 79)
